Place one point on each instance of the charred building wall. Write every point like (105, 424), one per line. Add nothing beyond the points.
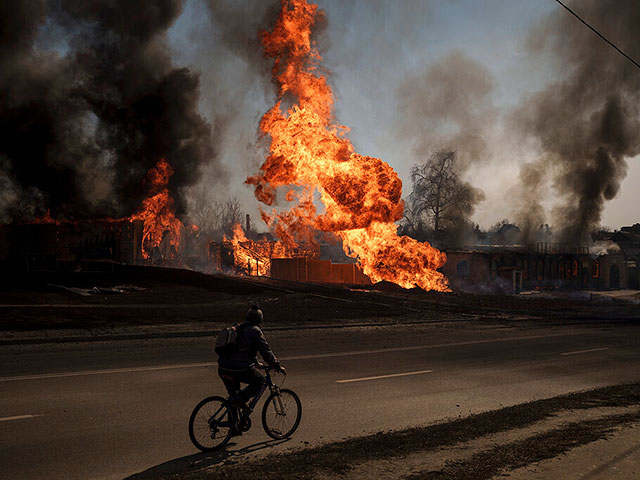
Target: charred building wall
(320, 271)
(542, 266)
(87, 245)
(612, 271)
(513, 268)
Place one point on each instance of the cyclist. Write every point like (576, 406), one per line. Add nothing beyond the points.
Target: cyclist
(241, 366)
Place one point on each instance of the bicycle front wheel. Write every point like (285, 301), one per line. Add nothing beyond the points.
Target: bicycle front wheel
(281, 414)
(211, 423)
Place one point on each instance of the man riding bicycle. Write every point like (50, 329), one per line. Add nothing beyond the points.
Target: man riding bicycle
(215, 419)
(240, 367)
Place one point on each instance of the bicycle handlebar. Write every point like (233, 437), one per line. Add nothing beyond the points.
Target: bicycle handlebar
(265, 367)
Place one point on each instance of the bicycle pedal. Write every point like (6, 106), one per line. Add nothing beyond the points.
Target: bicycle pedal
(245, 424)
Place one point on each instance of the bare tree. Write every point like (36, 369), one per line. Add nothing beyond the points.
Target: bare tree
(202, 211)
(439, 197)
(410, 223)
(215, 218)
(231, 212)
(498, 225)
(20, 211)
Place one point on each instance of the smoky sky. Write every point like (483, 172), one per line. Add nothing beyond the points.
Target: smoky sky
(91, 97)
(221, 40)
(240, 25)
(587, 123)
(91, 100)
(448, 107)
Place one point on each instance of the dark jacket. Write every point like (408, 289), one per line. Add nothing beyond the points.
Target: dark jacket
(250, 341)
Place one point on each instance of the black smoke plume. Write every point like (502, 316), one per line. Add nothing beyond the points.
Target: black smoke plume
(240, 24)
(588, 123)
(448, 106)
(90, 102)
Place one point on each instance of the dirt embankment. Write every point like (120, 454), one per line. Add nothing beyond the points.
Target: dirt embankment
(195, 300)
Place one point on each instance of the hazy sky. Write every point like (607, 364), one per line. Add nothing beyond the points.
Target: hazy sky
(375, 51)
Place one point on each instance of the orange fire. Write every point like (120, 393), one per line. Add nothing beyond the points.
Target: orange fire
(248, 256)
(238, 234)
(361, 195)
(46, 218)
(253, 257)
(157, 211)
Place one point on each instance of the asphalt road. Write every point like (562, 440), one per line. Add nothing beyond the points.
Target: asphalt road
(116, 409)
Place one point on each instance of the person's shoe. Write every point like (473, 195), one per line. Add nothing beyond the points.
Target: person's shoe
(235, 432)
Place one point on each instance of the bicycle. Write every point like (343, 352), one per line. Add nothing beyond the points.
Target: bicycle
(214, 419)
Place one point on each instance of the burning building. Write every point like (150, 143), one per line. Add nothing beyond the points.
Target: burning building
(152, 236)
(91, 245)
(86, 245)
(95, 108)
(273, 258)
(241, 255)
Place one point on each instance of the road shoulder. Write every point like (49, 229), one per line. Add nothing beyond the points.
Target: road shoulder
(610, 458)
(480, 446)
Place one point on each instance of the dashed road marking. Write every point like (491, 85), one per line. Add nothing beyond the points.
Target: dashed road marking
(585, 351)
(312, 356)
(18, 417)
(378, 377)
(425, 347)
(105, 372)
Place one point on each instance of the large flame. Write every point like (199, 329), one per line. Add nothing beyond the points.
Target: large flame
(361, 195)
(238, 234)
(157, 211)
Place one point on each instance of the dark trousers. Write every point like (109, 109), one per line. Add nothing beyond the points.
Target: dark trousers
(232, 380)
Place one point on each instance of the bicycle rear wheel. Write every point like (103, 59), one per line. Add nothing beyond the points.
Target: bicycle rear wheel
(211, 423)
(281, 414)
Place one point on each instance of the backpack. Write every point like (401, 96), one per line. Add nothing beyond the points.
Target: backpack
(227, 341)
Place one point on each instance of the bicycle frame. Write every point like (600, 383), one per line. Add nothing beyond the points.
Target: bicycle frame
(228, 415)
(267, 384)
(225, 407)
(272, 388)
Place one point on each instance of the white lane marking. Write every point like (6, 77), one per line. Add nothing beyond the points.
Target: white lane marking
(424, 347)
(105, 372)
(292, 357)
(18, 417)
(378, 377)
(585, 351)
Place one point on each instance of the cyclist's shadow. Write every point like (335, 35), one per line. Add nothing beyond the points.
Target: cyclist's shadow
(202, 460)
